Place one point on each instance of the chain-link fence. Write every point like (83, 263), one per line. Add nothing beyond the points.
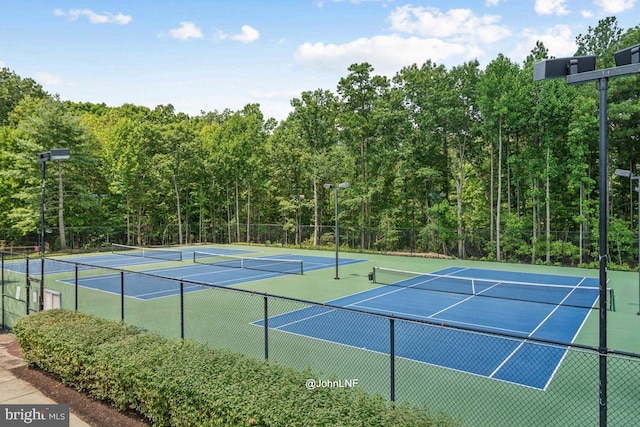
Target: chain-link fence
(449, 368)
(558, 247)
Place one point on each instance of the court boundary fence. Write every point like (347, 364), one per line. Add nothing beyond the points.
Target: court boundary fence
(580, 400)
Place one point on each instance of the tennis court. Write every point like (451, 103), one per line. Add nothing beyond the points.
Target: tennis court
(521, 305)
(222, 268)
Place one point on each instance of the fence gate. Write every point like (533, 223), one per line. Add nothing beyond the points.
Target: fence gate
(19, 289)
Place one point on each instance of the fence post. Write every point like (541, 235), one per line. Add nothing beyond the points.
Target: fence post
(181, 309)
(392, 358)
(2, 292)
(122, 296)
(266, 328)
(76, 285)
(27, 286)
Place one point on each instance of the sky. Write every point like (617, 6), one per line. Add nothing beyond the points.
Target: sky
(212, 55)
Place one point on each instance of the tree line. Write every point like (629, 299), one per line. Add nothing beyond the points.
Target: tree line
(475, 162)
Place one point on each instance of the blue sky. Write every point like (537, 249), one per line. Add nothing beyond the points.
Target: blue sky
(216, 54)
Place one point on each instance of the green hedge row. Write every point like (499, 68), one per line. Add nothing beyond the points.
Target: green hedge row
(182, 383)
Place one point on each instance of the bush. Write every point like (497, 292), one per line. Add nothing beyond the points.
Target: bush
(180, 383)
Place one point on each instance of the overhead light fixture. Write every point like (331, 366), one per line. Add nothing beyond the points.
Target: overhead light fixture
(628, 56)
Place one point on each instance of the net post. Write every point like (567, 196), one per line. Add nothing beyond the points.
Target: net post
(612, 299)
(373, 275)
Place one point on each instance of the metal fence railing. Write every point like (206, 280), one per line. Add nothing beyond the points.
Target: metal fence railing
(363, 349)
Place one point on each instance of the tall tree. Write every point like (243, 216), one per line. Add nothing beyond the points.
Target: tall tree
(14, 89)
(463, 120)
(358, 93)
(497, 90)
(315, 114)
(51, 126)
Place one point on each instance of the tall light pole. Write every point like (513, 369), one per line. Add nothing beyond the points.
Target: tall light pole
(99, 197)
(628, 174)
(337, 188)
(299, 198)
(43, 158)
(580, 70)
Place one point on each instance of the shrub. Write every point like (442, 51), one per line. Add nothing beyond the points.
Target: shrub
(180, 383)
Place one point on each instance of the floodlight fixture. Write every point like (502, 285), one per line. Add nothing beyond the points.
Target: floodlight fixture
(628, 56)
(562, 67)
(623, 172)
(59, 154)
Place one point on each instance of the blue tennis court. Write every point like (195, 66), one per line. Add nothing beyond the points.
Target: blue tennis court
(158, 283)
(523, 305)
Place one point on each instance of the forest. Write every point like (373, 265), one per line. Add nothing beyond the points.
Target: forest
(462, 161)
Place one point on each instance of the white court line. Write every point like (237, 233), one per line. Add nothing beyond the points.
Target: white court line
(535, 330)
(410, 315)
(304, 318)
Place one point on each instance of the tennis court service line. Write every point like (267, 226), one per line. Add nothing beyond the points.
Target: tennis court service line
(168, 292)
(551, 313)
(305, 318)
(407, 287)
(461, 301)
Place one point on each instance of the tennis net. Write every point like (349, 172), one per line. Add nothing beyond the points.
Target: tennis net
(263, 264)
(155, 253)
(565, 295)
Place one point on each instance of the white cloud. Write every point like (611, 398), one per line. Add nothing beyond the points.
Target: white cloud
(421, 34)
(490, 3)
(93, 17)
(247, 34)
(551, 7)
(614, 6)
(456, 24)
(48, 79)
(186, 31)
(387, 54)
(587, 14)
(559, 40)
